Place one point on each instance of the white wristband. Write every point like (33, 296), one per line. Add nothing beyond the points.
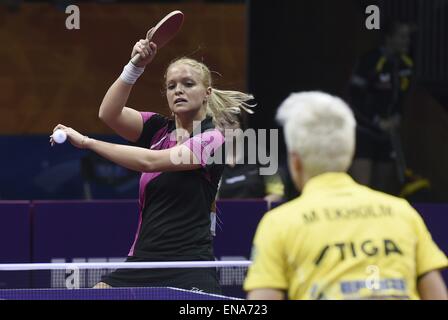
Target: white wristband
(131, 73)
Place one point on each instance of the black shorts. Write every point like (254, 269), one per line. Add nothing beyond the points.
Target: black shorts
(203, 279)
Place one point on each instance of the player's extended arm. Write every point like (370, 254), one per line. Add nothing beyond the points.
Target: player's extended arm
(431, 286)
(177, 158)
(145, 160)
(266, 294)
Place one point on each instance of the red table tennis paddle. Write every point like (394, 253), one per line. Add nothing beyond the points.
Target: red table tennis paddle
(164, 31)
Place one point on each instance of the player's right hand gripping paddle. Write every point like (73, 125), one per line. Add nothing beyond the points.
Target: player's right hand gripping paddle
(164, 31)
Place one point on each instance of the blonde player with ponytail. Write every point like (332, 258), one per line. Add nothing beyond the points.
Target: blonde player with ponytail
(175, 198)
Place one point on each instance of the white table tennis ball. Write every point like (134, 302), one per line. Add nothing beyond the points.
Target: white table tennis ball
(59, 136)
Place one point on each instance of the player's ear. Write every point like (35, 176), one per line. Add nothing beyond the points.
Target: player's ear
(296, 162)
(208, 92)
(296, 169)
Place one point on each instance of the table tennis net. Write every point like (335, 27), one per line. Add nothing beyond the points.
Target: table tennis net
(193, 280)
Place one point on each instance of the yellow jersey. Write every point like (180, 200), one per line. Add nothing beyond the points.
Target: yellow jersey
(342, 240)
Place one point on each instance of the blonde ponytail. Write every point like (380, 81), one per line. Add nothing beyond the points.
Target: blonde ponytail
(224, 106)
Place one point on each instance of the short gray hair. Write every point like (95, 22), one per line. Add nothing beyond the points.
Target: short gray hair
(321, 129)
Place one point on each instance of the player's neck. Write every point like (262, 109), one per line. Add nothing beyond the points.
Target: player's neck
(188, 122)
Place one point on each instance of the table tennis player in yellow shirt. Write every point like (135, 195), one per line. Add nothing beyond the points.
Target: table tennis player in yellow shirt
(339, 239)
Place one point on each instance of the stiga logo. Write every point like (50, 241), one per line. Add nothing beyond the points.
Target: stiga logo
(350, 250)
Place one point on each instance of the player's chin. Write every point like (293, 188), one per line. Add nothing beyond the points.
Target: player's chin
(184, 109)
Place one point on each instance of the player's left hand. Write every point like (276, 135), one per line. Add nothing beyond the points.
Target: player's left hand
(76, 139)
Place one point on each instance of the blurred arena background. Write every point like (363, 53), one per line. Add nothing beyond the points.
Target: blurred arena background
(51, 75)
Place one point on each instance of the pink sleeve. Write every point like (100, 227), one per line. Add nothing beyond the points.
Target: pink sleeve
(205, 144)
(146, 115)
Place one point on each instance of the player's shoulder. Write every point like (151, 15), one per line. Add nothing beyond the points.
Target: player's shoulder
(154, 119)
(153, 116)
(287, 211)
(399, 205)
(154, 126)
(208, 130)
(387, 197)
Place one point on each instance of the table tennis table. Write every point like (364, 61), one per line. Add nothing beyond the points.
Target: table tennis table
(148, 293)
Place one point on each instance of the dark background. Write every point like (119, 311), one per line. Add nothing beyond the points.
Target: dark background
(314, 45)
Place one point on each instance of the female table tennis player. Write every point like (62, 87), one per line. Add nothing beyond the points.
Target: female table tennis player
(175, 200)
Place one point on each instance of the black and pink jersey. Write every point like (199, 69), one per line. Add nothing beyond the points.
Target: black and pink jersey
(174, 221)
